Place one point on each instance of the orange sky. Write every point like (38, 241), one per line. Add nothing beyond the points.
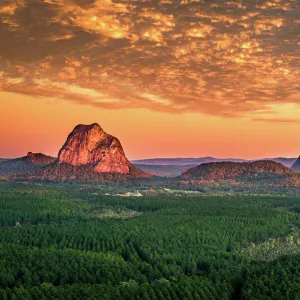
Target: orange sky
(169, 78)
(42, 125)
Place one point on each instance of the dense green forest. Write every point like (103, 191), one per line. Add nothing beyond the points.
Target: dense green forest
(72, 242)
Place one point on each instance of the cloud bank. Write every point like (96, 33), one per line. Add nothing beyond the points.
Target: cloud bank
(225, 58)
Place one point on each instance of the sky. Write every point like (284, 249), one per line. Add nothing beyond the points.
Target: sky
(169, 78)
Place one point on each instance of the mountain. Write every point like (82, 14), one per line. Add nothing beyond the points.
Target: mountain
(32, 161)
(182, 161)
(91, 145)
(164, 170)
(201, 160)
(296, 165)
(265, 172)
(89, 153)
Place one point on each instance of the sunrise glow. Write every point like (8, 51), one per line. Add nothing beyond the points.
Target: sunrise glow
(170, 78)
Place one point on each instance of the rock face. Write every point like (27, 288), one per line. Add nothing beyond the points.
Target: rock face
(39, 159)
(296, 165)
(91, 145)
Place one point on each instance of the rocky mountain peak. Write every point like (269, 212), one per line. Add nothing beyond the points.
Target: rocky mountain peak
(91, 145)
(86, 128)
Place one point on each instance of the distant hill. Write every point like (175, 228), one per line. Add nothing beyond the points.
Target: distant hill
(164, 170)
(201, 160)
(296, 165)
(30, 162)
(264, 172)
(182, 161)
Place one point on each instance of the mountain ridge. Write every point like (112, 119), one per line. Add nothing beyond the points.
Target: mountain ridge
(197, 161)
(89, 153)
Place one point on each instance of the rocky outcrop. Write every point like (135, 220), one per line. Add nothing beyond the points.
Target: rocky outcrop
(91, 145)
(39, 159)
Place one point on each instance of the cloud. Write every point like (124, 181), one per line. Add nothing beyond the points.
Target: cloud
(224, 58)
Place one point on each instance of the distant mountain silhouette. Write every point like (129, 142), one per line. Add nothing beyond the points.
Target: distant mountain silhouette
(197, 161)
(288, 162)
(164, 170)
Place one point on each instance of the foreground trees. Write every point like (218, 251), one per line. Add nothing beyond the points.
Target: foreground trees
(58, 242)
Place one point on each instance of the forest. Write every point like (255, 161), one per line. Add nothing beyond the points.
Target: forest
(71, 241)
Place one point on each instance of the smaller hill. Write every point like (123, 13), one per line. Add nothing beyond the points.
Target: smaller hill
(262, 172)
(30, 162)
(296, 165)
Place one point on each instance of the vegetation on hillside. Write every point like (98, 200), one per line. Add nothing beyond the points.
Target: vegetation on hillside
(265, 172)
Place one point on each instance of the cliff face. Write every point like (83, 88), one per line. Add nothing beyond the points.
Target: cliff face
(91, 145)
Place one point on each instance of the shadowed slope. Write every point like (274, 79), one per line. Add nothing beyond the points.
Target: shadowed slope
(296, 165)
